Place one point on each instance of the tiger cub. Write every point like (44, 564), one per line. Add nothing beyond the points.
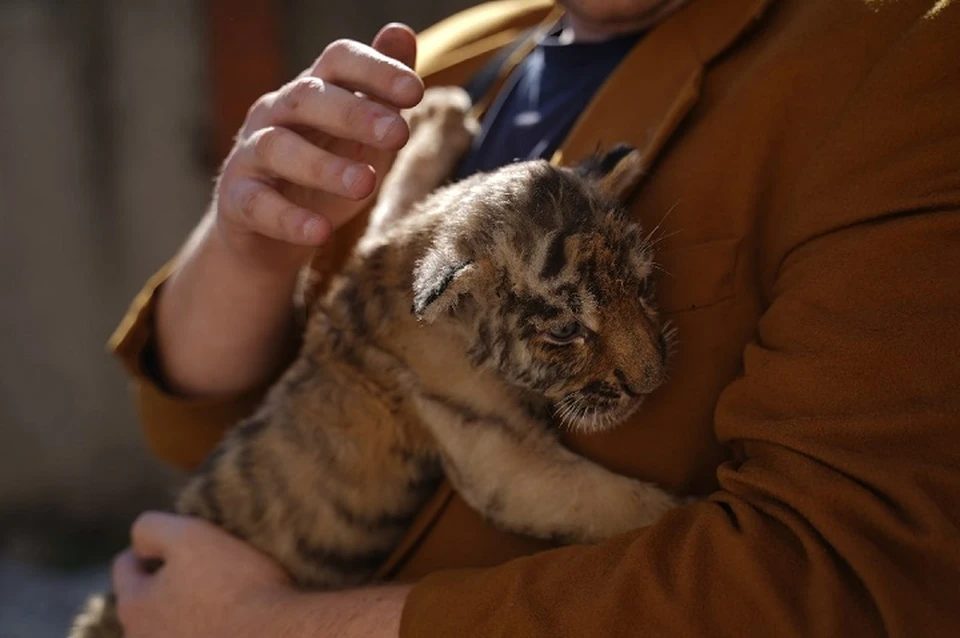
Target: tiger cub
(461, 334)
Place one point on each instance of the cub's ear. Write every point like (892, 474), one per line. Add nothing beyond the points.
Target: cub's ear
(617, 173)
(440, 280)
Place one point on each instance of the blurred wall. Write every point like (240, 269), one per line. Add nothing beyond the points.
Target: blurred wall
(311, 24)
(103, 134)
(99, 115)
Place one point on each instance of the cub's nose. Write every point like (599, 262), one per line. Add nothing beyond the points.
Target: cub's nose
(645, 378)
(633, 388)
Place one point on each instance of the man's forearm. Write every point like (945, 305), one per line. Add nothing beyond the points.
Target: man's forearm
(223, 326)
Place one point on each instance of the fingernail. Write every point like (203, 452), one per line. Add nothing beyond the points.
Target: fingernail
(382, 126)
(350, 176)
(405, 88)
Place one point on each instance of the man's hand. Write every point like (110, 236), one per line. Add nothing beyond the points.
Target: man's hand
(306, 161)
(210, 584)
(311, 153)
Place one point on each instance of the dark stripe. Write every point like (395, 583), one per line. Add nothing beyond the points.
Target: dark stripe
(424, 298)
(570, 294)
(301, 374)
(252, 484)
(556, 257)
(250, 428)
(374, 523)
(538, 307)
(529, 331)
(425, 484)
(481, 349)
(375, 261)
(212, 460)
(470, 415)
(588, 270)
(290, 507)
(343, 562)
(208, 498)
(505, 349)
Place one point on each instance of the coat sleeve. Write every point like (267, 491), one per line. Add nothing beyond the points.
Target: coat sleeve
(179, 430)
(840, 515)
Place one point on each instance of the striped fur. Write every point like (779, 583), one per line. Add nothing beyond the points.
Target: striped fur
(435, 352)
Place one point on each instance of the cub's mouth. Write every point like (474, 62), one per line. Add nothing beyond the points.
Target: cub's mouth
(578, 413)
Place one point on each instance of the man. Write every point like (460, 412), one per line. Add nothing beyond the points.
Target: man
(803, 170)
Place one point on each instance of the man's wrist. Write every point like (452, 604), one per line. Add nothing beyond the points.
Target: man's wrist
(254, 257)
(371, 612)
(216, 308)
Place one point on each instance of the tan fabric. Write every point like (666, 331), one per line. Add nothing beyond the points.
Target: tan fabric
(808, 154)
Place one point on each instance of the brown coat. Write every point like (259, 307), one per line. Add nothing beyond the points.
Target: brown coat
(809, 151)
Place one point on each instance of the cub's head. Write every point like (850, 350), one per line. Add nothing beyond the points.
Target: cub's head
(552, 284)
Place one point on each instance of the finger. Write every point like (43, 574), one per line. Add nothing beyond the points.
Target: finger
(398, 41)
(320, 105)
(282, 153)
(358, 67)
(263, 210)
(128, 575)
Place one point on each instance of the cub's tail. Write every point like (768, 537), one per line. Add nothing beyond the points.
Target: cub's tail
(98, 619)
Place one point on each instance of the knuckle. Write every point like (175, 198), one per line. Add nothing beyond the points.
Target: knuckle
(141, 522)
(260, 108)
(336, 49)
(300, 91)
(249, 200)
(266, 143)
(337, 54)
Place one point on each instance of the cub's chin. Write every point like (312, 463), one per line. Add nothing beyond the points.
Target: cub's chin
(578, 417)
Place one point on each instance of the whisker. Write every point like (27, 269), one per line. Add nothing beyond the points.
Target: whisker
(662, 219)
(567, 409)
(670, 334)
(571, 412)
(657, 266)
(656, 242)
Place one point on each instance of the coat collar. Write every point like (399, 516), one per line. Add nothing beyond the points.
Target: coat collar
(660, 80)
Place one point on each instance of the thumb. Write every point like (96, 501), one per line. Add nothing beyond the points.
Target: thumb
(397, 41)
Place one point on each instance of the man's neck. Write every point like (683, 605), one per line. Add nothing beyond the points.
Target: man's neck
(577, 28)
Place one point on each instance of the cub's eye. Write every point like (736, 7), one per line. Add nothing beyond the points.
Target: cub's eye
(564, 334)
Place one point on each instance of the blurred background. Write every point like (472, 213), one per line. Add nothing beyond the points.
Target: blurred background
(114, 115)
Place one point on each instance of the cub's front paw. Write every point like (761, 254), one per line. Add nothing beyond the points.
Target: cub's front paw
(443, 121)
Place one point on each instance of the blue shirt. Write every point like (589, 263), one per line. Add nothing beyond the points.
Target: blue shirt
(542, 100)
